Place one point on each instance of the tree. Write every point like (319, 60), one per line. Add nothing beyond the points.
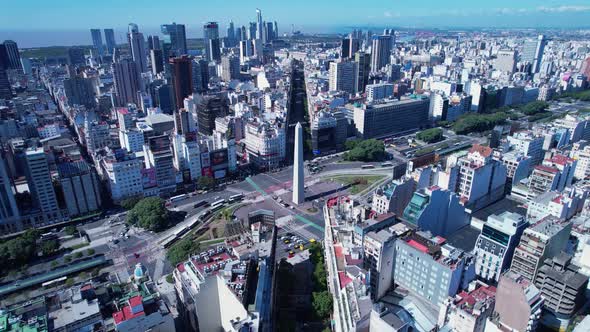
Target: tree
(181, 250)
(129, 203)
(67, 259)
(79, 254)
(534, 107)
(206, 182)
(430, 135)
(322, 304)
(54, 264)
(170, 278)
(365, 150)
(49, 247)
(71, 230)
(90, 252)
(150, 213)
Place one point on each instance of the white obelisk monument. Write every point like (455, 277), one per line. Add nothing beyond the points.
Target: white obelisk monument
(298, 193)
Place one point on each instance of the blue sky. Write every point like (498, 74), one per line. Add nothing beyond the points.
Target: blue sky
(49, 16)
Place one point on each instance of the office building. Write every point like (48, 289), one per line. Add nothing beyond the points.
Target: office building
(111, 43)
(174, 43)
(5, 86)
(137, 47)
(127, 82)
(393, 196)
(76, 56)
(439, 106)
(80, 188)
(200, 75)
(97, 41)
(533, 51)
(430, 268)
(123, 175)
(343, 76)
(529, 144)
(265, 144)
(556, 173)
(210, 107)
(259, 25)
(182, 80)
(468, 310)
(9, 212)
(481, 179)
(436, 210)
(563, 288)
(542, 240)
(80, 91)
(379, 91)
(212, 43)
(378, 259)
(380, 52)
(364, 69)
(41, 185)
(391, 117)
(13, 55)
(159, 156)
(230, 68)
(496, 243)
(157, 61)
(518, 305)
(506, 61)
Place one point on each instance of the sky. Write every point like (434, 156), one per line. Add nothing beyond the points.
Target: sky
(66, 22)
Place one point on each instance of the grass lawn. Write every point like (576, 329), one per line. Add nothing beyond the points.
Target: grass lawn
(358, 182)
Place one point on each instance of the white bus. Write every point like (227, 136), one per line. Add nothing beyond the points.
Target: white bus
(367, 166)
(178, 198)
(237, 197)
(217, 204)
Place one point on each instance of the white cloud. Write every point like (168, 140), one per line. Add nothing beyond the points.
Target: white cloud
(563, 9)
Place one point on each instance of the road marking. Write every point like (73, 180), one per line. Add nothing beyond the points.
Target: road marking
(309, 222)
(256, 187)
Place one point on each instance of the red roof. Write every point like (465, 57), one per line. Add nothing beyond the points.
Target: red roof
(135, 301)
(123, 110)
(547, 169)
(125, 314)
(180, 267)
(482, 150)
(561, 159)
(338, 251)
(118, 316)
(418, 246)
(344, 279)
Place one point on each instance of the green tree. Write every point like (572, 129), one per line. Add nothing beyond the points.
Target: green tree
(181, 250)
(49, 247)
(150, 213)
(54, 264)
(365, 150)
(129, 203)
(322, 304)
(430, 135)
(71, 230)
(90, 252)
(534, 107)
(79, 254)
(67, 259)
(206, 182)
(170, 278)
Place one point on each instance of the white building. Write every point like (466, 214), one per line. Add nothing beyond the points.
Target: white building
(265, 143)
(529, 144)
(123, 175)
(344, 76)
(378, 91)
(560, 205)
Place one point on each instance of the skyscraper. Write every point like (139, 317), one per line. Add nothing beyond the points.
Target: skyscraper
(230, 67)
(8, 209)
(174, 40)
(97, 41)
(276, 30)
(200, 75)
(153, 42)
(137, 47)
(40, 184)
(212, 45)
(126, 82)
(259, 26)
(80, 91)
(157, 61)
(344, 76)
(109, 37)
(5, 88)
(298, 176)
(231, 34)
(269, 32)
(364, 68)
(182, 78)
(251, 33)
(539, 50)
(13, 55)
(381, 50)
(506, 61)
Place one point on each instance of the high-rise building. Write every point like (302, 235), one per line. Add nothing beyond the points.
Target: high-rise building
(230, 67)
(76, 56)
(379, 256)
(542, 240)
(80, 91)
(174, 40)
(518, 304)
(269, 32)
(97, 41)
(343, 76)
(13, 55)
(158, 155)
(182, 79)
(157, 61)
(212, 44)
(246, 50)
(468, 310)
(5, 86)
(379, 91)
(298, 177)
(200, 75)
(153, 42)
(80, 187)
(393, 196)
(123, 175)
(265, 144)
(364, 68)
(259, 25)
(40, 184)
(126, 82)
(496, 243)
(209, 108)
(380, 52)
(137, 47)
(532, 52)
(506, 61)
(231, 38)
(111, 43)
(9, 213)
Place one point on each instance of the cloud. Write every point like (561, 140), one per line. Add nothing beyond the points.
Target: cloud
(390, 14)
(564, 9)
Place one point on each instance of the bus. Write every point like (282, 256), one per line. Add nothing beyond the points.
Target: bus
(49, 236)
(386, 164)
(217, 205)
(178, 198)
(201, 203)
(237, 197)
(367, 166)
(204, 215)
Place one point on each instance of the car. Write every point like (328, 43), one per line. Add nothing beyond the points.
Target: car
(286, 241)
(291, 245)
(301, 247)
(312, 240)
(291, 254)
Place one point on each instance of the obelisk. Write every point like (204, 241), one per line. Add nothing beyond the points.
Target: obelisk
(298, 193)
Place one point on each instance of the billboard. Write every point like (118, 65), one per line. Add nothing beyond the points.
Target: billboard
(218, 157)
